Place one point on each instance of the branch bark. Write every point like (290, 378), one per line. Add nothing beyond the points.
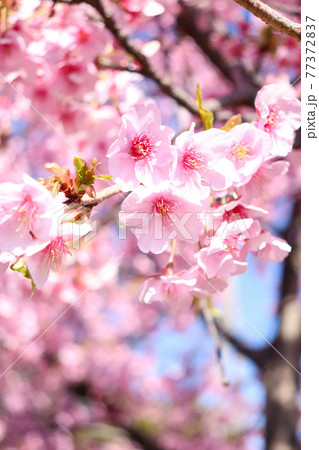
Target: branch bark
(181, 97)
(244, 83)
(100, 196)
(272, 17)
(281, 381)
(258, 356)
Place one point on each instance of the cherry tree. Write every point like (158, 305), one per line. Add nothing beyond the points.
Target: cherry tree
(149, 154)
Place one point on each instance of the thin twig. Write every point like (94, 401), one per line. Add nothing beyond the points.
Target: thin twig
(102, 63)
(272, 17)
(100, 196)
(211, 325)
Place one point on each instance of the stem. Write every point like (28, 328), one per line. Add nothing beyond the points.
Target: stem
(272, 17)
(100, 196)
(210, 322)
(172, 254)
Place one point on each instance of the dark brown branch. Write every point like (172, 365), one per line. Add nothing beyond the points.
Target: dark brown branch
(281, 382)
(103, 63)
(235, 73)
(258, 356)
(181, 97)
(186, 22)
(245, 86)
(272, 17)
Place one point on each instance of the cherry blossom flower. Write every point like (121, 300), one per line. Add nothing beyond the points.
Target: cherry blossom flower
(279, 115)
(268, 247)
(225, 254)
(247, 150)
(176, 290)
(41, 258)
(268, 172)
(164, 213)
(6, 258)
(74, 78)
(142, 152)
(197, 160)
(12, 47)
(26, 214)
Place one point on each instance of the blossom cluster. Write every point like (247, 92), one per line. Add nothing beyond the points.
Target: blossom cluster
(32, 235)
(201, 192)
(197, 198)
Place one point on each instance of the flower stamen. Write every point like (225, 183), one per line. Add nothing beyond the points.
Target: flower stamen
(143, 147)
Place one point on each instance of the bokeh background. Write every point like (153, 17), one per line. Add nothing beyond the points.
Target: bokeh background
(83, 364)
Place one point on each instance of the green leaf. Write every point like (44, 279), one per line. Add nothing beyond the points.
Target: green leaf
(20, 267)
(206, 115)
(81, 169)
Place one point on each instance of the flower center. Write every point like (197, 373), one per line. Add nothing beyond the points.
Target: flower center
(143, 147)
(241, 152)
(193, 161)
(55, 253)
(273, 118)
(83, 35)
(26, 213)
(163, 208)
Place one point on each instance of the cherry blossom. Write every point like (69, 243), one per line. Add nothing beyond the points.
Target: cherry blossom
(41, 258)
(158, 215)
(269, 248)
(279, 114)
(198, 161)
(177, 290)
(6, 258)
(246, 148)
(142, 152)
(26, 214)
(225, 255)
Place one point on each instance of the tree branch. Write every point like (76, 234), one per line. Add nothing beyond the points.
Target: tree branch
(102, 63)
(181, 97)
(272, 17)
(100, 196)
(281, 381)
(258, 356)
(245, 86)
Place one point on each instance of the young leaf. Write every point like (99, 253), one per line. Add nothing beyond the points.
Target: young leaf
(20, 267)
(232, 122)
(206, 116)
(103, 177)
(81, 169)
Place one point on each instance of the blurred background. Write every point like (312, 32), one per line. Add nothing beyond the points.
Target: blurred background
(83, 364)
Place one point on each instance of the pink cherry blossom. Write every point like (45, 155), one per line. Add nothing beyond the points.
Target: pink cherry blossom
(268, 172)
(197, 160)
(164, 213)
(246, 148)
(279, 114)
(269, 248)
(6, 258)
(74, 78)
(176, 290)
(224, 255)
(12, 47)
(142, 152)
(26, 214)
(41, 258)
